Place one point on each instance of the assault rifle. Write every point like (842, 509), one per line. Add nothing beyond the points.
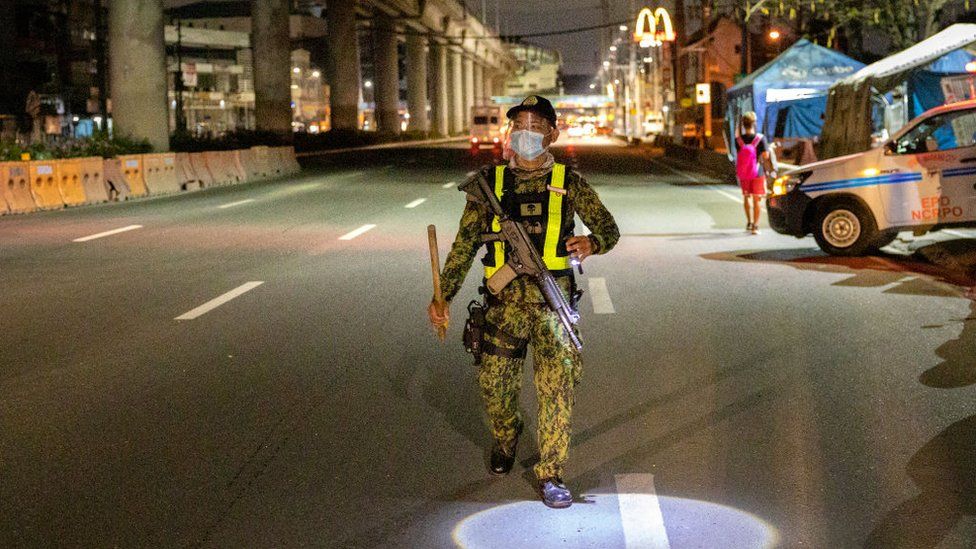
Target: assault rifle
(523, 257)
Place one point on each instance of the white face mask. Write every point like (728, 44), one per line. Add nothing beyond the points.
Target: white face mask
(527, 144)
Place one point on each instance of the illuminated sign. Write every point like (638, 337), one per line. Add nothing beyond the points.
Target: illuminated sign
(647, 18)
(703, 93)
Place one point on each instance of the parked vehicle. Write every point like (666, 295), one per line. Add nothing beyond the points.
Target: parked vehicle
(487, 126)
(920, 180)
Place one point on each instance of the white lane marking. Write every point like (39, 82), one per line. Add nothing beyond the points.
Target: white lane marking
(600, 296)
(238, 203)
(726, 194)
(735, 198)
(107, 233)
(353, 234)
(218, 301)
(448, 185)
(640, 512)
(416, 203)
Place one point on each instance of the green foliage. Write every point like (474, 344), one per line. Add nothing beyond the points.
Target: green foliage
(98, 145)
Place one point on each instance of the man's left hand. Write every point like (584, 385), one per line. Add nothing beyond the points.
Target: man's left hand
(580, 246)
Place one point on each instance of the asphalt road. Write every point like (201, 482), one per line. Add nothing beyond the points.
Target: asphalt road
(738, 391)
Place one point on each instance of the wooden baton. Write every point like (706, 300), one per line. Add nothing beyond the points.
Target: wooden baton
(435, 270)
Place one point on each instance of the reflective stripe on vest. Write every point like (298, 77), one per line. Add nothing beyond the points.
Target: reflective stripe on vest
(553, 228)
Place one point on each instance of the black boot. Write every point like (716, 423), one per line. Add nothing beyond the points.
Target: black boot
(554, 493)
(501, 461)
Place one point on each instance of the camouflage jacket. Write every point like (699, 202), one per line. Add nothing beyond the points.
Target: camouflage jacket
(475, 219)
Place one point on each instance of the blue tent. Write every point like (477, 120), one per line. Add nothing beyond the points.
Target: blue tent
(800, 73)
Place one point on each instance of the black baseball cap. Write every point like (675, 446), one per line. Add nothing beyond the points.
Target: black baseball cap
(537, 104)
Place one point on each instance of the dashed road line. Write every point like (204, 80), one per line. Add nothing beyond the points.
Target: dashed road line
(640, 512)
(602, 305)
(674, 171)
(220, 300)
(107, 233)
(238, 203)
(448, 185)
(416, 203)
(353, 234)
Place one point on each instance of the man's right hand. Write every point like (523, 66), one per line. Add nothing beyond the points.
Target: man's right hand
(439, 313)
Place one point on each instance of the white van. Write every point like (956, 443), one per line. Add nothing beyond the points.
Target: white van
(487, 126)
(920, 180)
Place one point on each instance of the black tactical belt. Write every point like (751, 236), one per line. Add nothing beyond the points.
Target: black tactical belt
(504, 352)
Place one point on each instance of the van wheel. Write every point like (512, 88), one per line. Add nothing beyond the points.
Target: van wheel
(845, 227)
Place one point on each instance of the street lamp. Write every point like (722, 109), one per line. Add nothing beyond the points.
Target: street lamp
(774, 34)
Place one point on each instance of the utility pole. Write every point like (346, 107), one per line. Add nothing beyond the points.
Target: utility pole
(101, 65)
(180, 115)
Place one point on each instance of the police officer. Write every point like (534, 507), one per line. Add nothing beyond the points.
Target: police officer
(546, 196)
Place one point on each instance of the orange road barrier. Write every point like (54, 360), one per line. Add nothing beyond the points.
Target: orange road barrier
(44, 175)
(160, 173)
(221, 165)
(248, 160)
(202, 171)
(185, 173)
(70, 182)
(93, 178)
(235, 163)
(16, 187)
(132, 170)
(267, 161)
(286, 157)
(117, 185)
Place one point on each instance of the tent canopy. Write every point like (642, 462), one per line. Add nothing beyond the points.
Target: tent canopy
(802, 71)
(849, 101)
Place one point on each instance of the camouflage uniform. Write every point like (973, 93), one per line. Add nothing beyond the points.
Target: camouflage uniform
(520, 311)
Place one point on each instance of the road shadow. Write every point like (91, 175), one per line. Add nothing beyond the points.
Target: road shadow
(944, 472)
(906, 274)
(958, 366)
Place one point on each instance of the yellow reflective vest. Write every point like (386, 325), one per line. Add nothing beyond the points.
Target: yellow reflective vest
(547, 209)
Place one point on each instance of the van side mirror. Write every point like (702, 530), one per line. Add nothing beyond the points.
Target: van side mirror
(890, 148)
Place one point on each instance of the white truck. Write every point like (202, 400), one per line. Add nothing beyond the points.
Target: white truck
(488, 123)
(922, 179)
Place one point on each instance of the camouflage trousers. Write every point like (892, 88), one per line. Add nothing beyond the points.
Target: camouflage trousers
(557, 371)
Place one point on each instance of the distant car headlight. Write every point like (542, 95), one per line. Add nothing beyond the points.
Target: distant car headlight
(786, 183)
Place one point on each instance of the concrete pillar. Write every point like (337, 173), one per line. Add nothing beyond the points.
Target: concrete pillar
(137, 57)
(489, 84)
(456, 92)
(417, 83)
(468, 88)
(439, 105)
(479, 84)
(344, 52)
(386, 87)
(499, 84)
(272, 66)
